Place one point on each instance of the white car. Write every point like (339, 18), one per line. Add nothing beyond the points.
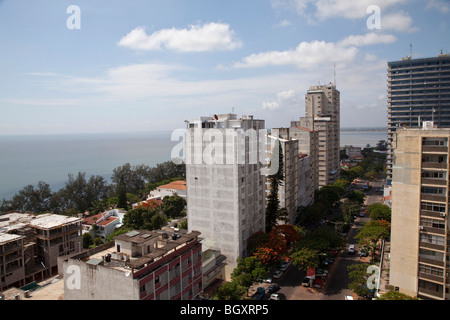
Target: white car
(274, 296)
(268, 280)
(351, 249)
(277, 274)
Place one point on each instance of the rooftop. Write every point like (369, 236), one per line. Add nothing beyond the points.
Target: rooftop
(171, 242)
(6, 237)
(50, 221)
(176, 185)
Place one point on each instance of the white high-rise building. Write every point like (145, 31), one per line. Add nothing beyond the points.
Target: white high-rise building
(225, 181)
(322, 108)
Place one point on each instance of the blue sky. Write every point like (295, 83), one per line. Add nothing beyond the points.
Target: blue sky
(149, 65)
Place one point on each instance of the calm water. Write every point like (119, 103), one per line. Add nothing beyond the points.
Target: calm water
(29, 159)
(362, 138)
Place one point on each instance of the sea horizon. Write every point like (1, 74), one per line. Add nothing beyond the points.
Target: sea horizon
(28, 159)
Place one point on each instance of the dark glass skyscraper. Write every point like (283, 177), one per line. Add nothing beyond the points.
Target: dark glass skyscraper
(418, 90)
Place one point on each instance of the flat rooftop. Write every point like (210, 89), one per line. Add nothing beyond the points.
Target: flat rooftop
(6, 237)
(138, 237)
(50, 221)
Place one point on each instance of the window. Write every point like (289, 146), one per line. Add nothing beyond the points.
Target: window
(435, 207)
(431, 270)
(432, 223)
(433, 239)
(431, 190)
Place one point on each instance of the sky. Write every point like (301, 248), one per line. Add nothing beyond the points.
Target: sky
(99, 66)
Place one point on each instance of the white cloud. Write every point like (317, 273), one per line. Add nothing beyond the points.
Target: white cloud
(306, 55)
(326, 9)
(367, 39)
(197, 38)
(443, 6)
(398, 21)
(351, 9)
(285, 100)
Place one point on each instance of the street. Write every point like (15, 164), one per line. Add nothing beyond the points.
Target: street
(336, 284)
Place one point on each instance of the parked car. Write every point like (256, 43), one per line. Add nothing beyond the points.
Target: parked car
(273, 288)
(306, 282)
(268, 280)
(351, 249)
(364, 254)
(277, 274)
(274, 296)
(320, 273)
(284, 266)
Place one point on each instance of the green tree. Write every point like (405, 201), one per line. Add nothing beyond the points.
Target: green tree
(379, 211)
(275, 180)
(122, 194)
(230, 291)
(357, 196)
(372, 232)
(322, 239)
(35, 199)
(183, 224)
(87, 240)
(173, 206)
(252, 267)
(395, 295)
(305, 258)
(358, 279)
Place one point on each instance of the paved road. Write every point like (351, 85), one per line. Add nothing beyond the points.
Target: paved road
(336, 286)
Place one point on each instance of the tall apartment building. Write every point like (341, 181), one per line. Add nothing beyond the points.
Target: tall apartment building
(322, 114)
(225, 183)
(419, 256)
(418, 90)
(288, 191)
(30, 246)
(297, 189)
(138, 265)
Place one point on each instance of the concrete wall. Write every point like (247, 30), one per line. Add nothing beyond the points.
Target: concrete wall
(97, 282)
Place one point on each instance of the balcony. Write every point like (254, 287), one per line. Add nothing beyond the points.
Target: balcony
(435, 149)
(433, 197)
(434, 182)
(434, 165)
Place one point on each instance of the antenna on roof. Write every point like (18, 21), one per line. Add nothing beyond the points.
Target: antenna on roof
(410, 50)
(335, 74)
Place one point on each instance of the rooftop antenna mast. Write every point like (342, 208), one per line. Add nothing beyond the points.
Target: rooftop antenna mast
(410, 50)
(335, 74)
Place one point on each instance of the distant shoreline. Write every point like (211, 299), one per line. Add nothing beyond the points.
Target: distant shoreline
(376, 129)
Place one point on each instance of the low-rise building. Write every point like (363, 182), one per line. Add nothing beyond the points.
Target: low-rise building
(103, 224)
(138, 265)
(30, 245)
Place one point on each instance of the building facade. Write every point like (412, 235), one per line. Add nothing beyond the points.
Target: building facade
(137, 265)
(420, 198)
(418, 90)
(225, 181)
(30, 246)
(322, 115)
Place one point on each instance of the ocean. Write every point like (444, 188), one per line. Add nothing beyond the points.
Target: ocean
(27, 160)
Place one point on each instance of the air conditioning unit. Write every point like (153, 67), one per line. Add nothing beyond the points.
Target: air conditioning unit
(443, 214)
(420, 227)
